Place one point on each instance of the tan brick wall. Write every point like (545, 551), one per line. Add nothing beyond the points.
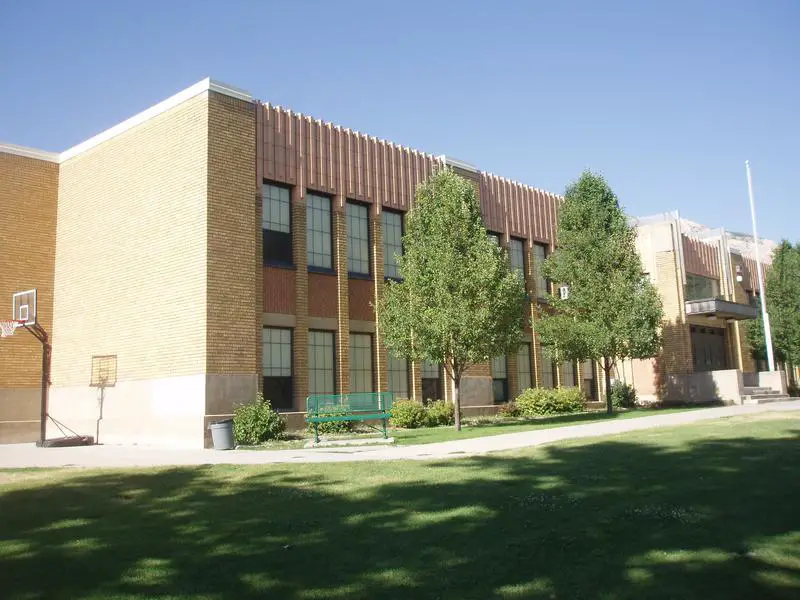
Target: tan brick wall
(28, 198)
(234, 303)
(279, 290)
(342, 298)
(131, 260)
(322, 294)
(365, 306)
(676, 356)
(300, 339)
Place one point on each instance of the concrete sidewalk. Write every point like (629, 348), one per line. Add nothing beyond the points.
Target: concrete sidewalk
(28, 455)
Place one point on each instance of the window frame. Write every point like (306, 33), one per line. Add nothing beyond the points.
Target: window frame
(387, 255)
(548, 374)
(274, 378)
(439, 382)
(310, 232)
(267, 232)
(527, 361)
(390, 373)
(350, 272)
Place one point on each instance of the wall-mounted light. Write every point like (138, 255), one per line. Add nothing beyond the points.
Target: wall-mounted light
(739, 277)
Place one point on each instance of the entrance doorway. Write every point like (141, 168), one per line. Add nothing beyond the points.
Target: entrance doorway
(708, 349)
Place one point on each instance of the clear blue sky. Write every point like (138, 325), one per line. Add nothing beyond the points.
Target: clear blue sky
(667, 99)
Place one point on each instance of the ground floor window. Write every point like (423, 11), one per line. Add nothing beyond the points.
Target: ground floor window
(431, 381)
(547, 372)
(361, 379)
(398, 376)
(277, 366)
(524, 380)
(568, 371)
(500, 379)
(321, 371)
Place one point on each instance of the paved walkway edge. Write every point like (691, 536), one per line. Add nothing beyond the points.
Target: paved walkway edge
(28, 455)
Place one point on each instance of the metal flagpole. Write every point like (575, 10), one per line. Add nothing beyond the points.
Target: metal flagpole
(764, 314)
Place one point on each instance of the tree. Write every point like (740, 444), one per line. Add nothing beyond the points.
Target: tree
(612, 311)
(782, 282)
(459, 303)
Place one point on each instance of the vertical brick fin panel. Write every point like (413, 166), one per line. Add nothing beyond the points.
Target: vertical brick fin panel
(676, 355)
(300, 338)
(135, 287)
(28, 199)
(381, 355)
(232, 289)
(701, 258)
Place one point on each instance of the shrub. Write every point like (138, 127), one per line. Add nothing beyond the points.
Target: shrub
(439, 413)
(408, 414)
(332, 427)
(509, 409)
(623, 395)
(257, 422)
(793, 390)
(538, 401)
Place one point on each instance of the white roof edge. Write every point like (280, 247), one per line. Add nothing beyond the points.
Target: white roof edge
(205, 85)
(448, 160)
(29, 152)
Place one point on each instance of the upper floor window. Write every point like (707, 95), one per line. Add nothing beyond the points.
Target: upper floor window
(701, 288)
(516, 253)
(357, 238)
(392, 242)
(318, 230)
(542, 283)
(276, 225)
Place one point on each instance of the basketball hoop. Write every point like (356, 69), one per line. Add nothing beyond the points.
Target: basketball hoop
(8, 327)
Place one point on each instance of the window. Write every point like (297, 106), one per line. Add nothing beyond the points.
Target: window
(321, 372)
(398, 376)
(361, 363)
(516, 252)
(523, 367)
(431, 381)
(276, 225)
(542, 283)
(495, 237)
(392, 242)
(500, 379)
(277, 365)
(357, 238)
(318, 230)
(701, 288)
(568, 374)
(547, 372)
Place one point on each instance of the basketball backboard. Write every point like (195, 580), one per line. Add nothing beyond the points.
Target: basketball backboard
(24, 307)
(104, 370)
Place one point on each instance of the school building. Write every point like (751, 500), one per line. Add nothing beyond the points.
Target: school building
(214, 245)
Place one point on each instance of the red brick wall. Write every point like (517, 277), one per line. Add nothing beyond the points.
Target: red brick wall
(361, 291)
(279, 290)
(322, 296)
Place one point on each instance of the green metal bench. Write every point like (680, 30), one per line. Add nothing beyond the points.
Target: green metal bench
(332, 408)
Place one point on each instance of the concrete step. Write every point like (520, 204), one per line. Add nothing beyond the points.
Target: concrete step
(752, 391)
(765, 399)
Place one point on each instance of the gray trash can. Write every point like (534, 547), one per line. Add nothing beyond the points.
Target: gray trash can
(222, 434)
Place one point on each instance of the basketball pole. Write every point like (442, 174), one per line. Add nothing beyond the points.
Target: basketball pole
(40, 334)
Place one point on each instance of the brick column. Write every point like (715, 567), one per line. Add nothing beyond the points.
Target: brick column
(416, 381)
(536, 360)
(381, 353)
(342, 292)
(259, 266)
(511, 373)
(300, 339)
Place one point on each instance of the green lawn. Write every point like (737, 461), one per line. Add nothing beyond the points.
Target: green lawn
(472, 428)
(702, 511)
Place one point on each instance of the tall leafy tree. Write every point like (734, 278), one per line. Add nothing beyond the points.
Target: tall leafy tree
(612, 311)
(782, 284)
(458, 303)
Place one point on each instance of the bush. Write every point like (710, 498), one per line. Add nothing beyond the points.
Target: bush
(623, 395)
(509, 409)
(408, 414)
(257, 422)
(793, 390)
(539, 401)
(332, 427)
(439, 413)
